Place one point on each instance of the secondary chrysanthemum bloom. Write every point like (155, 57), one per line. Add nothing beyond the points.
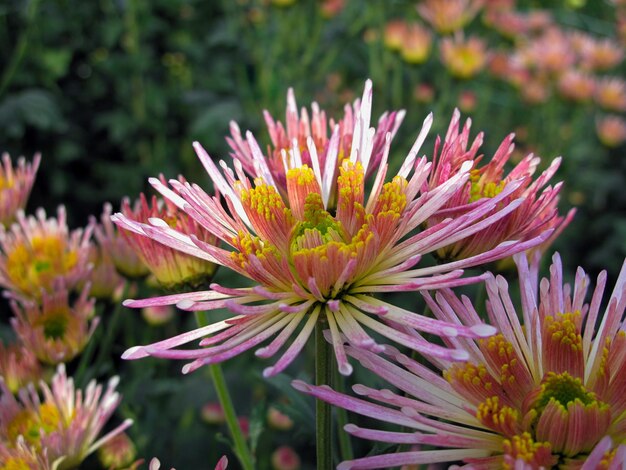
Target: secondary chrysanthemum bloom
(53, 328)
(548, 393)
(611, 94)
(65, 424)
(311, 263)
(18, 366)
(105, 282)
(124, 257)
(448, 16)
(15, 185)
(463, 58)
(537, 212)
(576, 86)
(611, 130)
(19, 455)
(416, 44)
(38, 252)
(306, 141)
(171, 268)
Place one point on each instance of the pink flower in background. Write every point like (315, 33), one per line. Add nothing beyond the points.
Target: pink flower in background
(65, 425)
(171, 268)
(611, 130)
(464, 58)
(611, 94)
(18, 366)
(37, 253)
(54, 328)
(15, 185)
(19, 455)
(548, 390)
(537, 212)
(310, 262)
(448, 16)
(416, 44)
(118, 247)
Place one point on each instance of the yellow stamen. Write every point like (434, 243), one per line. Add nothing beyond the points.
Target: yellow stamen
(480, 188)
(525, 448)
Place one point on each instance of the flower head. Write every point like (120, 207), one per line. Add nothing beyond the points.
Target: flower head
(546, 391)
(53, 328)
(536, 212)
(118, 452)
(305, 141)
(576, 86)
(172, 269)
(15, 185)
(611, 130)
(19, 455)
(64, 425)
(464, 58)
(448, 16)
(117, 247)
(314, 263)
(416, 44)
(18, 366)
(38, 252)
(611, 94)
(105, 281)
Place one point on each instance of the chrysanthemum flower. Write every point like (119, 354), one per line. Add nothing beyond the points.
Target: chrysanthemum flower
(306, 141)
(313, 264)
(416, 44)
(611, 94)
(53, 328)
(537, 212)
(611, 130)
(548, 393)
(124, 257)
(119, 452)
(15, 185)
(20, 455)
(448, 16)
(576, 86)
(464, 58)
(38, 252)
(18, 366)
(65, 424)
(394, 33)
(105, 281)
(171, 268)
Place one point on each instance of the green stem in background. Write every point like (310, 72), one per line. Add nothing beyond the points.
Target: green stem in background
(82, 376)
(20, 49)
(221, 388)
(323, 416)
(345, 443)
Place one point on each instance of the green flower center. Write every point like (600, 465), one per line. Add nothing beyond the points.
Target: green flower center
(564, 389)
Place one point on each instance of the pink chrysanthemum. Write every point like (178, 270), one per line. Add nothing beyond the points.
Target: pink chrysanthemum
(65, 424)
(448, 16)
(19, 455)
(18, 366)
(463, 57)
(15, 185)
(53, 328)
(172, 268)
(305, 141)
(537, 212)
(312, 263)
(38, 252)
(548, 393)
(124, 257)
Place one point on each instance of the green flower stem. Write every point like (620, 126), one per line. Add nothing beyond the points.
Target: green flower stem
(323, 417)
(223, 395)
